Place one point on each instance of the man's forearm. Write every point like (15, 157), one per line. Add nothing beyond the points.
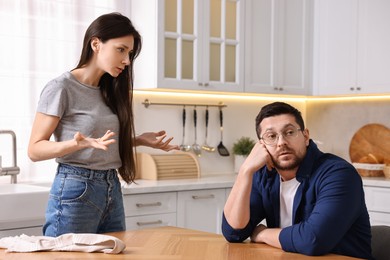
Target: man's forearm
(237, 207)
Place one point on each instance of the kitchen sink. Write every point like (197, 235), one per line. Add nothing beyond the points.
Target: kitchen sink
(22, 205)
(41, 184)
(8, 189)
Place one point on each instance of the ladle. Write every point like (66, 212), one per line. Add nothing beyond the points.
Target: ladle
(205, 146)
(196, 147)
(184, 147)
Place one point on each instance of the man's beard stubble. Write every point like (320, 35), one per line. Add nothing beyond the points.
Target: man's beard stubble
(291, 166)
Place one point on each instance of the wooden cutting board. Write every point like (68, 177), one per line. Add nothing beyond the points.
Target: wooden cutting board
(371, 138)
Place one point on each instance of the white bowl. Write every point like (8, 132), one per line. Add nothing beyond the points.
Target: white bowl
(369, 166)
(369, 169)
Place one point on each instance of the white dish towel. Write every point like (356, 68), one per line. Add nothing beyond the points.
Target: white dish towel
(85, 242)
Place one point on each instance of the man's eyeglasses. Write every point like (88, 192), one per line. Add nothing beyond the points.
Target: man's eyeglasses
(271, 138)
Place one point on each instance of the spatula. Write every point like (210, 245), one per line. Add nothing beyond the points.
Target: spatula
(221, 148)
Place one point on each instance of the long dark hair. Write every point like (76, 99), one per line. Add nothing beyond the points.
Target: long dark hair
(117, 92)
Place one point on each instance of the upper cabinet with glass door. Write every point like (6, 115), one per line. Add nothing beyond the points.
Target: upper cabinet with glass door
(190, 44)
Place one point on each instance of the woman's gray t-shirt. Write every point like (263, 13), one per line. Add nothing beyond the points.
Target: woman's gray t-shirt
(81, 108)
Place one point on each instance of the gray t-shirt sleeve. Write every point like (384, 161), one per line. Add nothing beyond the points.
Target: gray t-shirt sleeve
(53, 99)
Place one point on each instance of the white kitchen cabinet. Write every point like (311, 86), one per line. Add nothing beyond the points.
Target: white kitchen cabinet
(351, 47)
(379, 218)
(150, 221)
(190, 44)
(227, 192)
(278, 46)
(377, 201)
(195, 209)
(150, 210)
(201, 209)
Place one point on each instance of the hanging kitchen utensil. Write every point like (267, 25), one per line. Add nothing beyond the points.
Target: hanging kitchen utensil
(184, 147)
(221, 148)
(196, 147)
(205, 146)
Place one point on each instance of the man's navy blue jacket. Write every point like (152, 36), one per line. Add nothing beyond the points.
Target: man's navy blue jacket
(329, 211)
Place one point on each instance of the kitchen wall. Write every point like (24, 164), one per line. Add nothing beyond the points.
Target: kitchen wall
(239, 120)
(335, 121)
(331, 122)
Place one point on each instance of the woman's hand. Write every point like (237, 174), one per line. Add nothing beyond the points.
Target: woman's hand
(156, 140)
(98, 143)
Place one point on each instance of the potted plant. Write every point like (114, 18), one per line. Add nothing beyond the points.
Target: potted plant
(241, 149)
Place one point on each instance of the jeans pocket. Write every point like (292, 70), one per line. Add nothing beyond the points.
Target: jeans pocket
(73, 189)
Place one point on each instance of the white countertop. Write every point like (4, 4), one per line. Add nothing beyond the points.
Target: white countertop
(376, 181)
(205, 182)
(210, 182)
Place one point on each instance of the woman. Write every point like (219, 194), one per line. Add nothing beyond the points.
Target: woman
(89, 112)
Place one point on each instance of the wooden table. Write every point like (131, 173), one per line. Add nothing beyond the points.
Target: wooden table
(174, 243)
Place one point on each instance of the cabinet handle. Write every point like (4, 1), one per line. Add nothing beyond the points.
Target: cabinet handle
(153, 204)
(157, 222)
(357, 88)
(210, 196)
(203, 84)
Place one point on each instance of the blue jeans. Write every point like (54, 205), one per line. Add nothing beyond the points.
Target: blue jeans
(84, 201)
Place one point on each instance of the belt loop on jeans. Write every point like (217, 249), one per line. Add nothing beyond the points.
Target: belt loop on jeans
(91, 174)
(109, 175)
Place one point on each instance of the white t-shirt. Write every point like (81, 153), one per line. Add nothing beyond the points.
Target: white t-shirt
(287, 195)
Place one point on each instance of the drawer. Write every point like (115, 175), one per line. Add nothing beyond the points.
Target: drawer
(379, 218)
(149, 203)
(149, 221)
(201, 209)
(377, 199)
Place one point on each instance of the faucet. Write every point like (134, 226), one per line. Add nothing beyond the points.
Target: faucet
(14, 169)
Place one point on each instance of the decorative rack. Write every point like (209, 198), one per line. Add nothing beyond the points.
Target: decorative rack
(147, 103)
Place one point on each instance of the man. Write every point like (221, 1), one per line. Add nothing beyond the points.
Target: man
(313, 202)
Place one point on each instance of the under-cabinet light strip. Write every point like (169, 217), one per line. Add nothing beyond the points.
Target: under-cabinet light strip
(222, 95)
(244, 96)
